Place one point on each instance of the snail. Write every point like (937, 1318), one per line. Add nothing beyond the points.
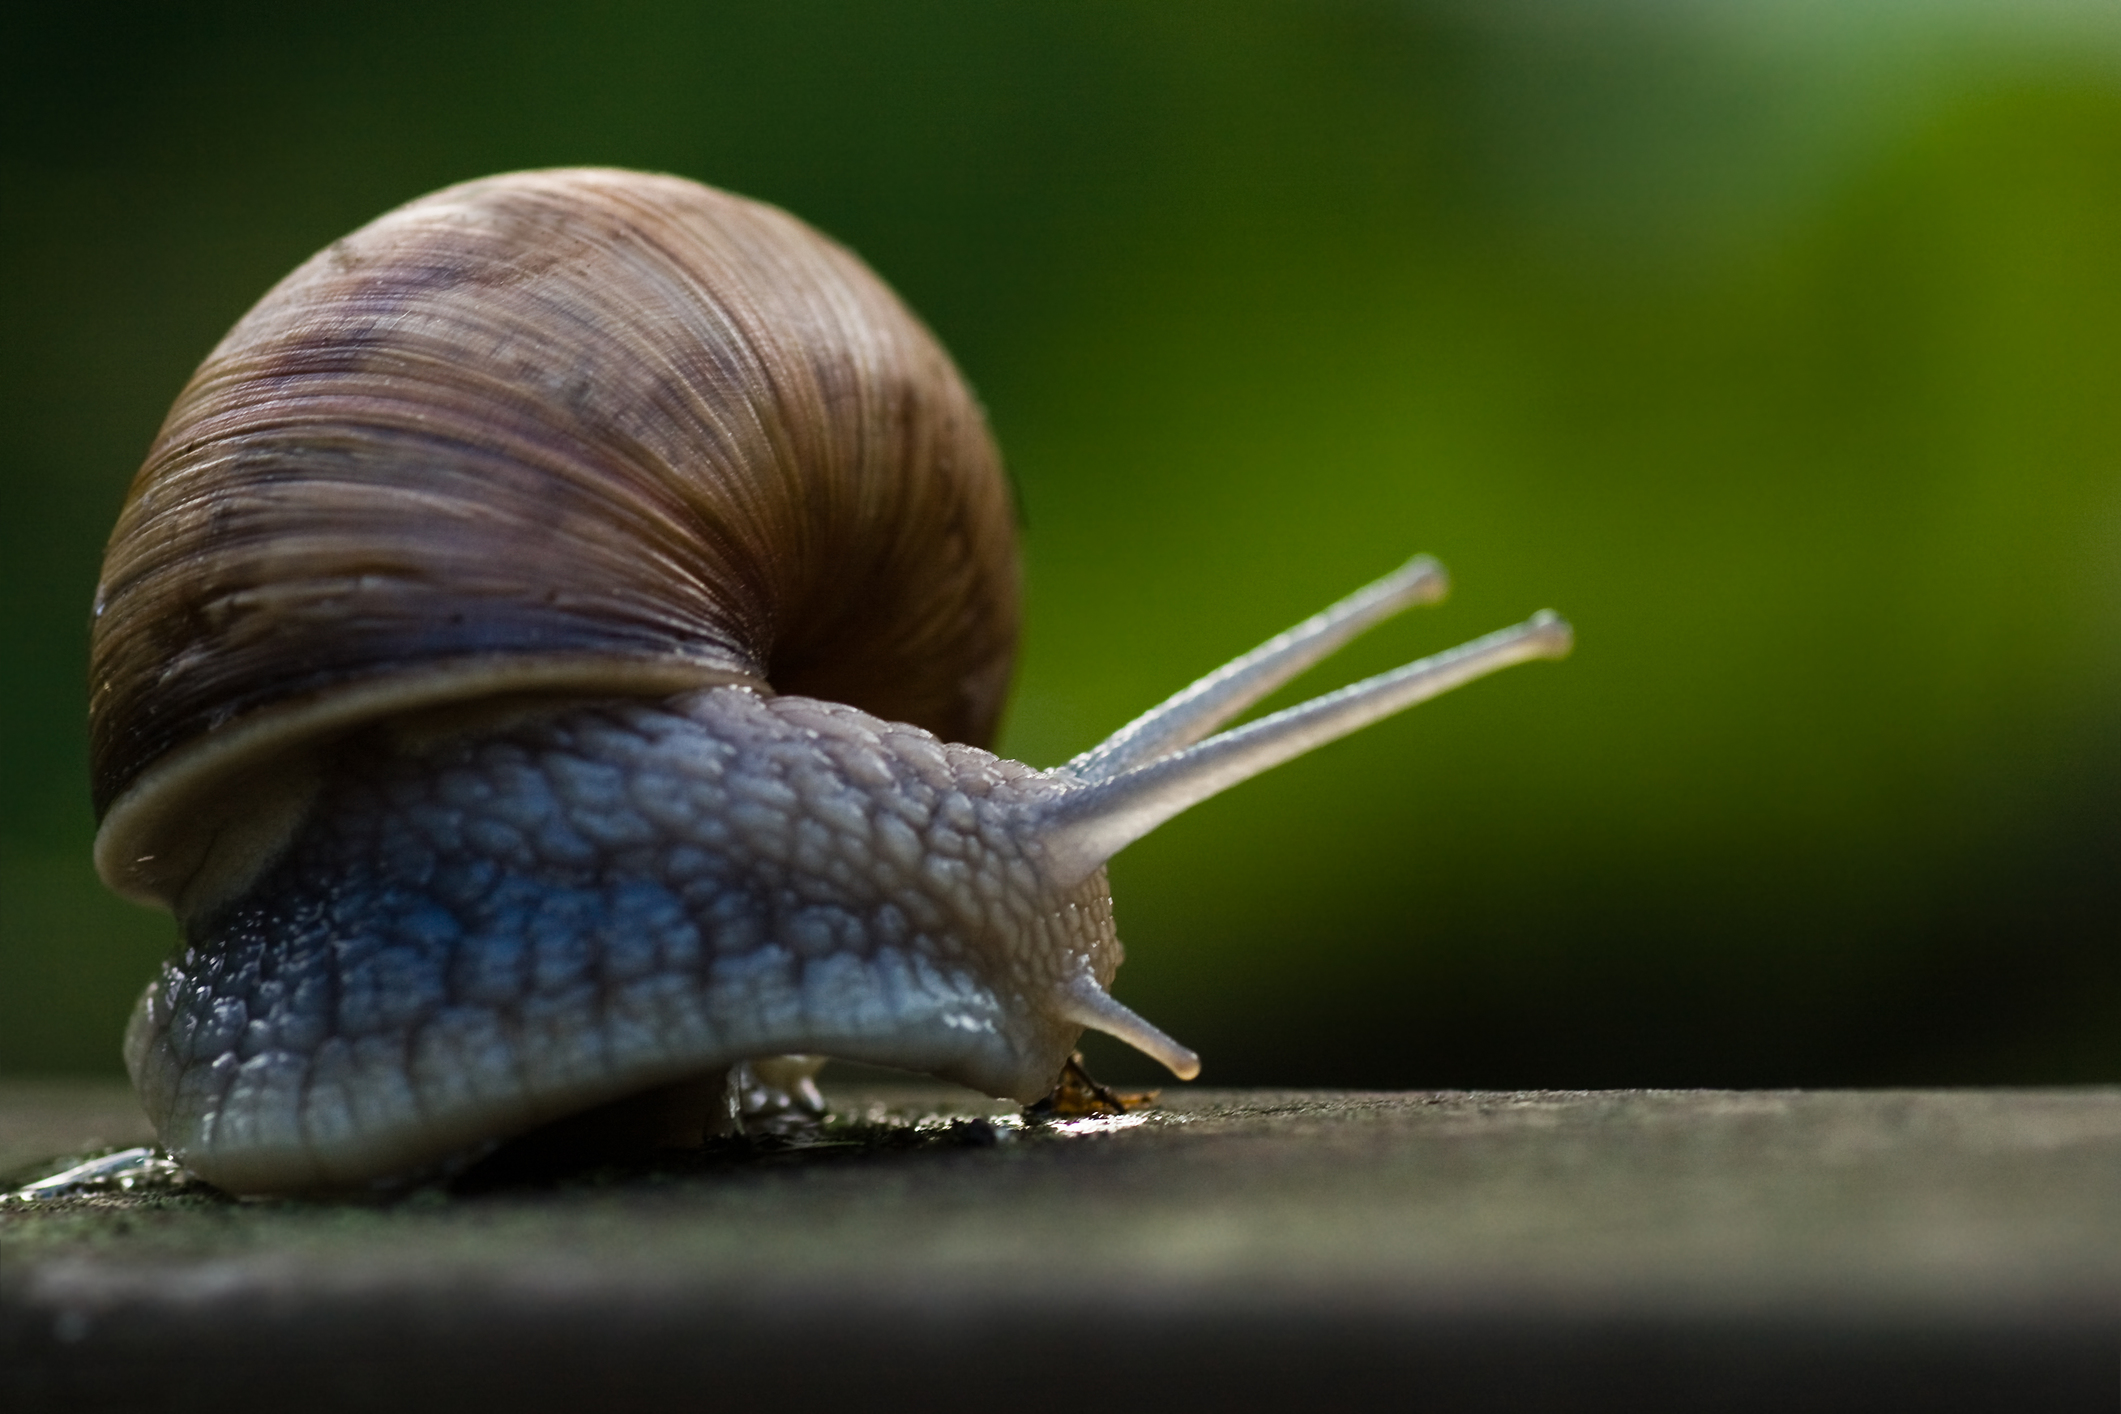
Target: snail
(546, 661)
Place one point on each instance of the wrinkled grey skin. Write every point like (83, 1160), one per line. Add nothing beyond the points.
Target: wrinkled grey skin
(470, 937)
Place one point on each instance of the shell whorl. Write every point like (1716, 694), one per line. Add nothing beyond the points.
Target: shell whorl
(589, 431)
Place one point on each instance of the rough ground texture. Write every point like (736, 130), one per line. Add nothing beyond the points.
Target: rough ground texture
(927, 1249)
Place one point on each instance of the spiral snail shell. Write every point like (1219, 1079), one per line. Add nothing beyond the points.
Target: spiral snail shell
(544, 660)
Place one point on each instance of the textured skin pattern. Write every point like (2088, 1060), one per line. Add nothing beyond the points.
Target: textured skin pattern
(470, 938)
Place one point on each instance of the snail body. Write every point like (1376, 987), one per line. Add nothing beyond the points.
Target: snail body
(546, 659)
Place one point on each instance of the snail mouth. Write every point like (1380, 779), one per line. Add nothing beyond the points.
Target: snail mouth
(1165, 760)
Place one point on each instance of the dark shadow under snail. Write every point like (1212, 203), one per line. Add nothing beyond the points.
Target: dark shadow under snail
(542, 662)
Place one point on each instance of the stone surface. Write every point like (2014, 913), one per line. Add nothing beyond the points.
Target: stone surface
(40, 1118)
(1230, 1249)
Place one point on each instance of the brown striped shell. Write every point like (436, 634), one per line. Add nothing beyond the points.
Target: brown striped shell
(584, 431)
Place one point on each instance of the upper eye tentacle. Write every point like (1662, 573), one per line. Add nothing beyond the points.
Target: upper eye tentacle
(1087, 825)
(1187, 716)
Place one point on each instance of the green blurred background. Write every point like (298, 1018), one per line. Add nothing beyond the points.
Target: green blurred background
(1773, 342)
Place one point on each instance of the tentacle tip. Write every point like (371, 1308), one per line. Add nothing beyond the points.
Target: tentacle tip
(1554, 635)
(1426, 580)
